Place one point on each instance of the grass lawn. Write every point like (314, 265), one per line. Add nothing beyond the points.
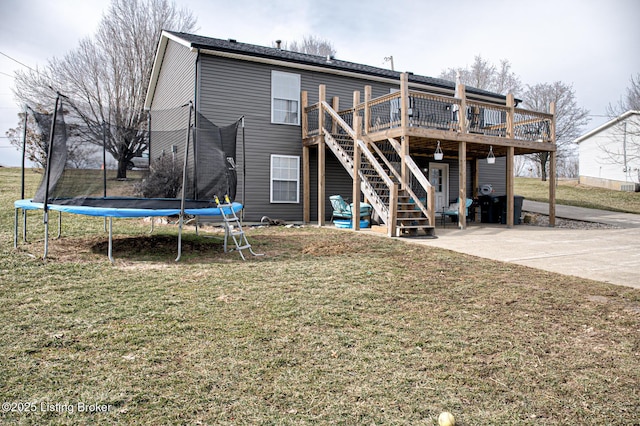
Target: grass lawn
(571, 193)
(329, 327)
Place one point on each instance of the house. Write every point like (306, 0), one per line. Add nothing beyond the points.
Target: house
(306, 115)
(609, 155)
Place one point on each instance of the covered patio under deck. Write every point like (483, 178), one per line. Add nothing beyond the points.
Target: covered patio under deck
(416, 122)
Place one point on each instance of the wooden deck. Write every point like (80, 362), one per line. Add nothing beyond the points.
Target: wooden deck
(412, 123)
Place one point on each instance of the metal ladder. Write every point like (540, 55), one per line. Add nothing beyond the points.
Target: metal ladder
(233, 228)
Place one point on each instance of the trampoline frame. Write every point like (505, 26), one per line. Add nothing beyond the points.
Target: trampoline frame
(108, 213)
(76, 206)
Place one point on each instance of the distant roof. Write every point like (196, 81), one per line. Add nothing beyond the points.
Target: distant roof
(618, 119)
(233, 46)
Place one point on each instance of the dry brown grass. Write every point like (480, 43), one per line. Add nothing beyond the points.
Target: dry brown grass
(329, 327)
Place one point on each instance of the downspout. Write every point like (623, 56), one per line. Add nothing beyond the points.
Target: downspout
(624, 148)
(195, 125)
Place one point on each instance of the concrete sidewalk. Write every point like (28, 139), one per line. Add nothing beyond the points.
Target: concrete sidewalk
(608, 255)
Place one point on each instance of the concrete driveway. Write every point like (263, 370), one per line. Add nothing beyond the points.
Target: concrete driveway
(608, 255)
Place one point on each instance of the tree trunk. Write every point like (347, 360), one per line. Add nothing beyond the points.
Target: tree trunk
(122, 168)
(544, 159)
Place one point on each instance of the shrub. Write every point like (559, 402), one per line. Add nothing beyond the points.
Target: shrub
(164, 180)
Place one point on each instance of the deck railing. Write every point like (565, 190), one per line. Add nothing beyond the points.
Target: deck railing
(439, 112)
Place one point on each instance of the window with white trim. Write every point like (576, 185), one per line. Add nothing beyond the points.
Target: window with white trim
(285, 178)
(285, 98)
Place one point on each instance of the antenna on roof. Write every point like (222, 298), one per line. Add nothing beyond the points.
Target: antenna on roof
(389, 59)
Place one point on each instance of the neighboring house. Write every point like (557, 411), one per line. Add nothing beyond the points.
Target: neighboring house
(609, 156)
(278, 91)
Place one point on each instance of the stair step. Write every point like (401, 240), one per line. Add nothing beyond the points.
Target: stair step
(413, 221)
(413, 231)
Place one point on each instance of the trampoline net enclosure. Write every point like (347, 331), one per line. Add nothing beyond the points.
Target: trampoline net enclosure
(81, 171)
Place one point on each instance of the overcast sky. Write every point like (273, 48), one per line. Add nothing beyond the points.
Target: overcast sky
(593, 45)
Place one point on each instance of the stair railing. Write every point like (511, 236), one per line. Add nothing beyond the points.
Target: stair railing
(383, 200)
(421, 183)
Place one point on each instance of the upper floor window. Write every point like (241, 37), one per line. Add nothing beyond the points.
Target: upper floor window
(285, 98)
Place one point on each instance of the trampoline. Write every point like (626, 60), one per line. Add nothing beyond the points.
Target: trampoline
(206, 156)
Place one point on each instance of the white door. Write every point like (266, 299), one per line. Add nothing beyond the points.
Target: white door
(439, 178)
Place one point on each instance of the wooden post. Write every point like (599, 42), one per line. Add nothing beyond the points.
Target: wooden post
(306, 196)
(552, 168)
(404, 123)
(306, 186)
(462, 193)
(335, 104)
(462, 118)
(321, 157)
(510, 174)
(510, 192)
(356, 102)
(511, 103)
(431, 205)
(392, 225)
(367, 110)
(322, 97)
(355, 211)
(404, 151)
(304, 103)
(404, 102)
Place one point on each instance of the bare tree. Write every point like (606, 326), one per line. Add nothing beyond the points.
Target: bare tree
(106, 77)
(629, 101)
(568, 167)
(310, 45)
(623, 148)
(36, 142)
(521, 165)
(569, 118)
(486, 76)
(622, 145)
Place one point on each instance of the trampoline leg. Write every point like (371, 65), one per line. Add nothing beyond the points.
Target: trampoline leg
(24, 226)
(110, 250)
(46, 235)
(152, 222)
(179, 238)
(59, 225)
(15, 230)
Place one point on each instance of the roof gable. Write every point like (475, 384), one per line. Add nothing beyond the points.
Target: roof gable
(608, 124)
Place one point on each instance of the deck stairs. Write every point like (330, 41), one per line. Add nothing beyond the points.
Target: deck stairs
(376, 175)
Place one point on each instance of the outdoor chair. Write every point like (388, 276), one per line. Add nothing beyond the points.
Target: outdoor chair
(342, 210)
(452, 210)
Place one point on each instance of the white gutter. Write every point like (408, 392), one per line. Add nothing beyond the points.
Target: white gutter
(606, 125)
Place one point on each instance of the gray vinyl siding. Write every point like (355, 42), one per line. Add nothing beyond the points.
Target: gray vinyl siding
(175, 87)
(494, 174)
(229, 89)
(176, 81)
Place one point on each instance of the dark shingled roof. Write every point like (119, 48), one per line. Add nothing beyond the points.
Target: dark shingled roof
(232, 46)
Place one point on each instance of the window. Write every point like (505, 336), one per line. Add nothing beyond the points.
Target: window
(285, 98)
(285, 172)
